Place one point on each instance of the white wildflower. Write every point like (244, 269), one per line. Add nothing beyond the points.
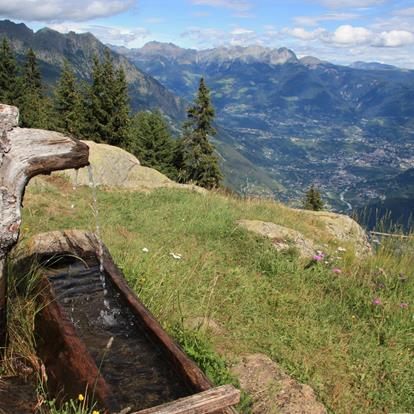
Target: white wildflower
(145, 250)
(176, 256)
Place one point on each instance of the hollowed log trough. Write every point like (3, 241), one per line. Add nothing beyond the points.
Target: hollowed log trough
(71, 367)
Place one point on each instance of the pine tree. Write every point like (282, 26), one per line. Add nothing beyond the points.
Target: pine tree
(120, 116)
(107, 104)
(313, 200)
(68, 104)
(151, 142)
(200, 164)
(8, 74)
(34, 108)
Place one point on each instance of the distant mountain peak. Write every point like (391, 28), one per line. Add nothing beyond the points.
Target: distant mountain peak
(311, 61)
(154, 44)
(372, 66)
(250, 54)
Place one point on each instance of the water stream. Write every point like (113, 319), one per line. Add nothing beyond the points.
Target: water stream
(95, 212)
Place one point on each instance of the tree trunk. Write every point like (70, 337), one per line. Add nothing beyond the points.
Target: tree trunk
(25, 153)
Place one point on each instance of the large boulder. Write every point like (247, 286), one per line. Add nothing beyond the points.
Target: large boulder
(114, 167)
(344, 229)
(339, 228)
(272, 390)
(283, 238)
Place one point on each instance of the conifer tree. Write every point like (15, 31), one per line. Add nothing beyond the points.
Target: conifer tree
(8, 74)
(151, 142)
(108, 109)
(200, 164)
(95, 113)
(34, 108)
(313, 200)
(120, 116)
(68, 104)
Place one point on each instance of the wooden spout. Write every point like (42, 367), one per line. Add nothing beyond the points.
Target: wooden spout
(25, 153)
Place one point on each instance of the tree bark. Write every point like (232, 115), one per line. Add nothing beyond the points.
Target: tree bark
(25, 153)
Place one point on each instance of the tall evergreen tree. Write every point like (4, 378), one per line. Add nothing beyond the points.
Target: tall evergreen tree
(68, 105)
(313, 200)
(200, 164)
(120, 116)
(108, 110)
(151, 142)
(34, 108)
(8, 74)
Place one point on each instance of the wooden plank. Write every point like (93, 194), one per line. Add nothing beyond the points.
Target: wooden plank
(205, 402)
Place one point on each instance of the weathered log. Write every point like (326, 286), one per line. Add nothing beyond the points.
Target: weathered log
(205, 402)
(25, 153)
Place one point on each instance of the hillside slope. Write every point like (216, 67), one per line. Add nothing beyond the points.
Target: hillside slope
(340, 325)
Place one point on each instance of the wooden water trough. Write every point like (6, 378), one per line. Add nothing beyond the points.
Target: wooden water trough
(72, 341)
(94, 335)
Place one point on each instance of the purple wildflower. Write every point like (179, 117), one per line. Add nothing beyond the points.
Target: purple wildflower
(377, 301)
(317, 257)
(337, 270)
(403, 305)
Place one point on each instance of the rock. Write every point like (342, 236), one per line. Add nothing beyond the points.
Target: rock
(272, 390)
(344, 229)
(283, 238)
(114, 167)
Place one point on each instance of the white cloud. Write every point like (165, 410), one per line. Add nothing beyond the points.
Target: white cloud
(106, 34)
(326, 17)
(348, 4)
(62, 10)
(237, 5)
(304, 34)
(238, 36)
(395, 38)
(239, 31)
(349, 35)
(405, 12)
(205, 36)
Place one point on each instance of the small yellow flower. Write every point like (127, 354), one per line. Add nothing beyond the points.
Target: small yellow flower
(81, 397)
(353, 317)
(95, 412)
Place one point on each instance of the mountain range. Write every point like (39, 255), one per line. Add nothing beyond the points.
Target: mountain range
(53, 49)
(302, 120)
(284, 122)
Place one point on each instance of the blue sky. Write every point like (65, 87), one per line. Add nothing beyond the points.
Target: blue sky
(341, 31)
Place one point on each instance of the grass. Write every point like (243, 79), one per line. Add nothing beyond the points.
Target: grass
(321, 327)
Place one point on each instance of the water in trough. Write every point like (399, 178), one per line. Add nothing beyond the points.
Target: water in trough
(134, 367)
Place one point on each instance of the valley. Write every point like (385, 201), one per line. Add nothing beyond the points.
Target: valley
(301, 121)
